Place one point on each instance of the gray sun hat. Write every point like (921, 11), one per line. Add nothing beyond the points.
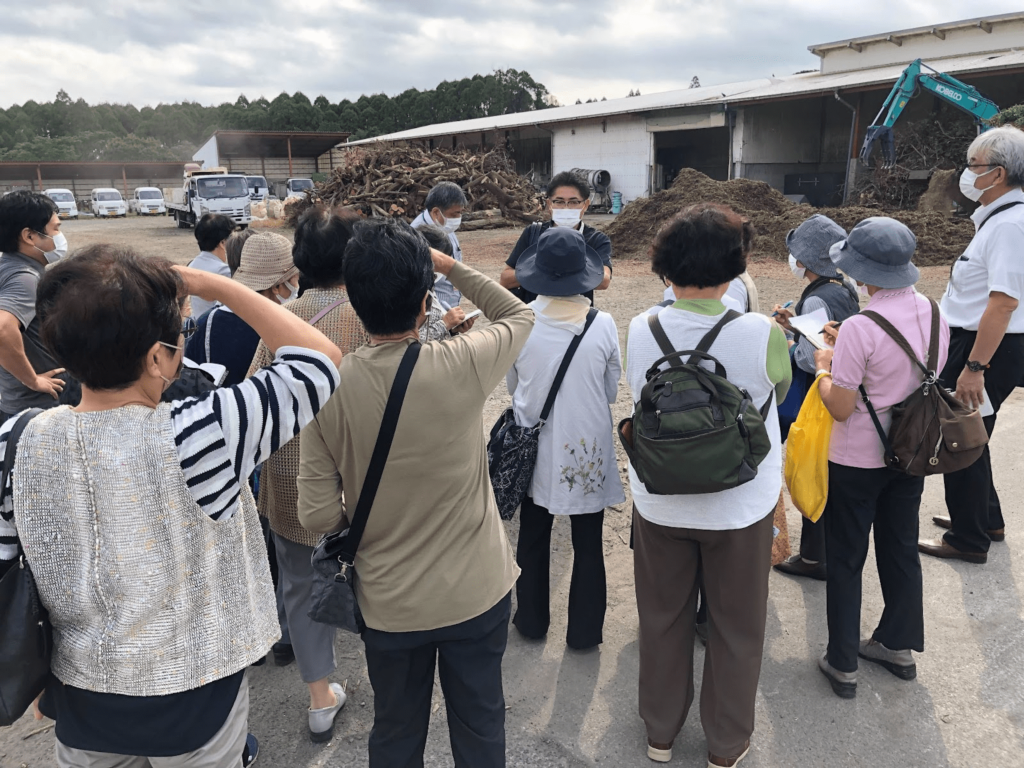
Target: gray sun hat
(560, 263)
(878, 252)
(810, 243)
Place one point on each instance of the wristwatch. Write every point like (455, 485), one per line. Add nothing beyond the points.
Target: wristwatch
(975, 367)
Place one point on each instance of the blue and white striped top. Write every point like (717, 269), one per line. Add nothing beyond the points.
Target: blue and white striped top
(223, 435)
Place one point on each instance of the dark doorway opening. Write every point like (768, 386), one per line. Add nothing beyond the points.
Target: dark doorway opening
(704, 149)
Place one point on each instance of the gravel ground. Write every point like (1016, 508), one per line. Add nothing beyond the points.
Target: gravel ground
(569, 709)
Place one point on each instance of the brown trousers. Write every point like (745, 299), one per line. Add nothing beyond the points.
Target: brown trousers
(736, 565)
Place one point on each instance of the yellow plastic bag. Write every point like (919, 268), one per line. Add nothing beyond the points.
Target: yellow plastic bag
(807, 455)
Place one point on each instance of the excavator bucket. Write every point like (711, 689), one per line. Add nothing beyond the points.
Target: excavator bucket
(883, 136)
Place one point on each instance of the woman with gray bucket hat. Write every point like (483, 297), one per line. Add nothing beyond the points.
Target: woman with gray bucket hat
(576, 473)
(863, 491)
(827, 290)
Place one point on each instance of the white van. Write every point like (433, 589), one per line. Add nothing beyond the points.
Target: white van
(66, 207)
(297, 187)
(107, 201)
(148, 201)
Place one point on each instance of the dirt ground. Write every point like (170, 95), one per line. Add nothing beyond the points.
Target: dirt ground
(569, 709)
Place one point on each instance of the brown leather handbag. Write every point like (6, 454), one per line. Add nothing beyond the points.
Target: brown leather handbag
(932, 432)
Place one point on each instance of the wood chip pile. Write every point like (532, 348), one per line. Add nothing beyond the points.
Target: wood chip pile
(393, 181)
(940, 238)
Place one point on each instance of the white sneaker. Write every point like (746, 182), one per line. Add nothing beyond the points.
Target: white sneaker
(321, 721)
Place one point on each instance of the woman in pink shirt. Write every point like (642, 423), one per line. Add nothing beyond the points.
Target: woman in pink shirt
(863, 490)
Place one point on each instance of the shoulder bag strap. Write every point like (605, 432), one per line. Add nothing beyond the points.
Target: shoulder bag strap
(898, 337)
(12, 450)
(709, 338)
(388, 425)
(323, 312)
(566, 359)
(662, 338)
(890, 456)
(933, 343)
(997, 211)
(753, 305)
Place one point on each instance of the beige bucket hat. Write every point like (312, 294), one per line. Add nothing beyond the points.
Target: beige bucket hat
(266, 261)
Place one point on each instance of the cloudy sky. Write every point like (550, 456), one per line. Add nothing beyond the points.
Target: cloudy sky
(211, 50)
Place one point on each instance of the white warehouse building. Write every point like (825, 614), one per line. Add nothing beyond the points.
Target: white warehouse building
(801, 133)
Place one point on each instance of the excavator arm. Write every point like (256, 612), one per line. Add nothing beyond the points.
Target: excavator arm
(915, 78)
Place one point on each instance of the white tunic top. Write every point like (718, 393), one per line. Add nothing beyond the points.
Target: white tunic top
(576, 472)
(993, 261)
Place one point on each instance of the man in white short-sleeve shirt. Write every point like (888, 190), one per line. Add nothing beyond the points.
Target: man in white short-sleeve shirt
(986, 345)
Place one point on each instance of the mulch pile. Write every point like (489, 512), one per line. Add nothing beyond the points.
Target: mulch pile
(393, 181)
(940, 238)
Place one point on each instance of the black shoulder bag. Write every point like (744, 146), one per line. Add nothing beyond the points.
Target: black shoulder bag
(25, 632)
(333, 598)
(512, 449)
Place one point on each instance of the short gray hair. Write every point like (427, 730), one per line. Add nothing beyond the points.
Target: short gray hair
(1002, 146)
(444, 196)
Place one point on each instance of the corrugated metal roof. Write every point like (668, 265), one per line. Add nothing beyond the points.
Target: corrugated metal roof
(766, 89)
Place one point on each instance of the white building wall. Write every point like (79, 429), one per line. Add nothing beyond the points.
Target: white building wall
(958, 42)
(621, 146)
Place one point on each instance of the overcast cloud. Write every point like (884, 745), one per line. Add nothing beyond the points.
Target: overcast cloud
(210, 52)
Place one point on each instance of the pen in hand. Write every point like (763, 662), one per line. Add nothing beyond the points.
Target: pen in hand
(787, 305)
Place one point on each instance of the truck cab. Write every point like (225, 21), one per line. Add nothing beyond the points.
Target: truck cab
(148, 201)
(107, 202)
(66, 206)
(211, 191)
(259, 190)
(297, 187)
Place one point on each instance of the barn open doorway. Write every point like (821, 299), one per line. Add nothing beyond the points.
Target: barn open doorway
(705, 149)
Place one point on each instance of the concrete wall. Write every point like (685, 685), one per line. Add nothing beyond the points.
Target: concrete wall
(620, 145)
(958, 42)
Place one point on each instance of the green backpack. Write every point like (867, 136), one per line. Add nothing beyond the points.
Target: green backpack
(693, 431)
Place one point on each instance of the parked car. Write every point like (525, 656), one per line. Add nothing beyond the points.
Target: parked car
(106, 202)
(66, 207)
(148, 201)
(297, 187)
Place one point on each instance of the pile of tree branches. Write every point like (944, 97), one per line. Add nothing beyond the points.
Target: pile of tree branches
(922, 145)
(393, 181)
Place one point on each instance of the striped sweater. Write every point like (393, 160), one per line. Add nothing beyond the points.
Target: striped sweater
(223, 435)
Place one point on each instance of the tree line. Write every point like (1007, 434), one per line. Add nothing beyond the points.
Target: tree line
(73, 130)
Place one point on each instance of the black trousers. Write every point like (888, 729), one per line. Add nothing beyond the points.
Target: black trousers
(812, 540)
(468, 657)
(971, 497)
(587, 587)
(857, 500)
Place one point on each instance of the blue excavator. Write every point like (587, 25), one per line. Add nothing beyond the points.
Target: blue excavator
(916, 78)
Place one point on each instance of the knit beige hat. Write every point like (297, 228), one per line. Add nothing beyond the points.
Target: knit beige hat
(266, 261)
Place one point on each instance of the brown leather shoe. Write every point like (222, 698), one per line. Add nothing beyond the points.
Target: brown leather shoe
(714, 761)
(998, 534)
(940, 548)
(797, 566)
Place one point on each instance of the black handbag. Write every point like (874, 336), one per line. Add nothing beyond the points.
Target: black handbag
(333, 598)
(512, 449)
(25, 632)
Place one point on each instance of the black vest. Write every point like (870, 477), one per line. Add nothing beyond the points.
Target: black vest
(841, 300)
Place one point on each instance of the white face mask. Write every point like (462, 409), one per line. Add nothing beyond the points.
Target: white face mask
(566, 217)
(862, 289)
(451, 225)
(60, 247)
(967, 179)
(794, 267)
(293, 293)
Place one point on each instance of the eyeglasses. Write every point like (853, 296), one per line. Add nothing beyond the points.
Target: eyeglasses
(983, 165)
(574, 202)
(188, 329)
